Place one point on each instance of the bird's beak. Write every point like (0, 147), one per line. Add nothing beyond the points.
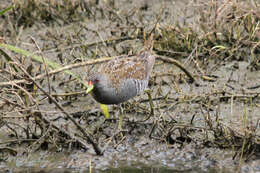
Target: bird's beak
(90, 87)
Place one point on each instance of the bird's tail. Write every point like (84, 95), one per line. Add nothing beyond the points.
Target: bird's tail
(148, 44)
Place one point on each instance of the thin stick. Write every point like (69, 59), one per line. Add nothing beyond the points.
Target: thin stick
(86, 135)
(44, 63)
(178, 64)
(68, 67)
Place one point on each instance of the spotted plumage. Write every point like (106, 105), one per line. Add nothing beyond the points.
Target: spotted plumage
(124, 77)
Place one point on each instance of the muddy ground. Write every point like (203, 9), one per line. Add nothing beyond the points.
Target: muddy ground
(205, 122)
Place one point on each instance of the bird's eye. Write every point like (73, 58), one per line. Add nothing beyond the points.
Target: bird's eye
(96, 81)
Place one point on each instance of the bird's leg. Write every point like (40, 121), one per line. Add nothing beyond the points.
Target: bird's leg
(121, 115)
(148, 92)
(105, 110)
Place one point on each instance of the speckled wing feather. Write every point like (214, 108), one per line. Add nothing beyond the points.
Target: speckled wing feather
(125, 68)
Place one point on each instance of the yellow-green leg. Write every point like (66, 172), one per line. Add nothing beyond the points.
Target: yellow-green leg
(148, 92)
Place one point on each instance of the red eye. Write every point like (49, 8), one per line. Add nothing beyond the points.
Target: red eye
(96, 81)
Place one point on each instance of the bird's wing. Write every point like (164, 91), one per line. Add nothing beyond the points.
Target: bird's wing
(125, 68)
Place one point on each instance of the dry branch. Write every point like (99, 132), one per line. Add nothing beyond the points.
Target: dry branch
(86, 135)
(68, 67)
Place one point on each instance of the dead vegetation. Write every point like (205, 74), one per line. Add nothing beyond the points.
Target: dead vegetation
(34, 112)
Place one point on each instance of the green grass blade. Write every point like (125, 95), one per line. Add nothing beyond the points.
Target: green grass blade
(5, 10)
(35, 57)
(8, 59)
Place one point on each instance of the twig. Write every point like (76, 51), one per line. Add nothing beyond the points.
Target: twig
(44, 63)
(68, 67)
(157, 19)
(17, 141)
(88, 45)
(178, 64)
(60, 130)
(86, 135)
(254, 87)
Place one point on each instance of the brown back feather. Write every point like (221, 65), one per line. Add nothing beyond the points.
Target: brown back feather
(125, 68)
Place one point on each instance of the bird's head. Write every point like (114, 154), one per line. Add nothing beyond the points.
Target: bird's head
(94, 81)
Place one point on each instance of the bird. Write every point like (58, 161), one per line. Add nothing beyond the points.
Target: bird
(122, 78)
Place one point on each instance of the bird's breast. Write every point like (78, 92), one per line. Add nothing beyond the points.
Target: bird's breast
(125, 91)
